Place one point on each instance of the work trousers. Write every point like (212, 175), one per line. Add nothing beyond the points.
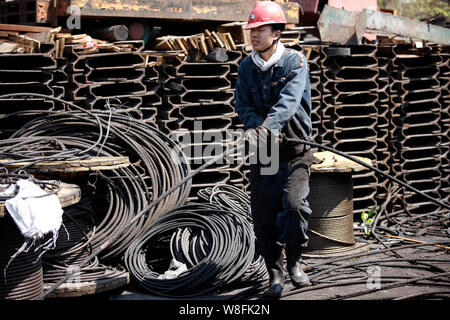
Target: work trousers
(279, 207)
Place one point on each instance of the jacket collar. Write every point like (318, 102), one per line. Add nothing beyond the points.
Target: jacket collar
(280, 63)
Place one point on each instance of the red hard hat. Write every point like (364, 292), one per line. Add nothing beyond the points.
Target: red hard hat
(265, 12)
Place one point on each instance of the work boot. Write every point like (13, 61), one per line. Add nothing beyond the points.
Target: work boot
(276, 277)
(294, 266)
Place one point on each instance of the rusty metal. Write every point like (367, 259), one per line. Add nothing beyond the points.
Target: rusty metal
(349, 114)
(345, 27)
(48, 11)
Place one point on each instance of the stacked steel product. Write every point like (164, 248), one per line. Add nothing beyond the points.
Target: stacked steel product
(151, 101)
(444, 80)
(197, 107)
(94, 79)
(316, 95)
(313, 58)
(416, 91)
(350, 116)
(384, 123)
(31, 72)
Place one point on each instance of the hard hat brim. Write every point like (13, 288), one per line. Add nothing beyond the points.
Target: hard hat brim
(259, 24)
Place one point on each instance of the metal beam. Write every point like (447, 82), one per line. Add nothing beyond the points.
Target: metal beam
(345, 27)
(219, 10)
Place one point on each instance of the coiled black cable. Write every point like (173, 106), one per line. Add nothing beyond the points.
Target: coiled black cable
(226, 247)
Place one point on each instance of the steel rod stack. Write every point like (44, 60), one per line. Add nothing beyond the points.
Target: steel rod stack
(32, 72)
(416, 115)
(95, 78)
(350, 116)
(444, 81)
(314, 57)
(198, 108)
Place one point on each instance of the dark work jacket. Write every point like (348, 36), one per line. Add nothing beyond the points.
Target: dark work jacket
(278, 99)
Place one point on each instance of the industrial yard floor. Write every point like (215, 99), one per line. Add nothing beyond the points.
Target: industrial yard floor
(416, 272)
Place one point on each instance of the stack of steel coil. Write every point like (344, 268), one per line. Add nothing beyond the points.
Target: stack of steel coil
(21, 276)
(350, 116)
(417, 112)
(74, 245)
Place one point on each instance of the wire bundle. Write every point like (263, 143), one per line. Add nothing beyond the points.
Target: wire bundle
(157, 164)
(216, 245)
(22, 278)
(231, 198)
(73, 246)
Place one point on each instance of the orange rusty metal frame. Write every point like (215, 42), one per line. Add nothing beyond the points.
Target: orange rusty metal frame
(220, 10)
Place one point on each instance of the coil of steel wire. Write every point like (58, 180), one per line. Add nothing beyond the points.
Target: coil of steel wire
(22, 279)
(216, 245)
(229, 197)
(157, 163)
(74, 245)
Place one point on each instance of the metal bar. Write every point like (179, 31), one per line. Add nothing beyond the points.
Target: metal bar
(344, 27)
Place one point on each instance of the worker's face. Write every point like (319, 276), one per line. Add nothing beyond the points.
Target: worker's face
(263, 37)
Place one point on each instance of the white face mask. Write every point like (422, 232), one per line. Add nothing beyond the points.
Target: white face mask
(265, 65)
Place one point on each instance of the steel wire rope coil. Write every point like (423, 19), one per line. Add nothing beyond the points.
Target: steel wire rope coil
(118, 211)
(73, 246)
(163, 166)
(229, 251)
(23, 279)
(232, 198)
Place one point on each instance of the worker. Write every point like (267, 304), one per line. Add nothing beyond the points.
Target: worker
(273, 100)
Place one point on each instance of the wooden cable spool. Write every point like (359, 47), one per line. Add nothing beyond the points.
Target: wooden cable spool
(68, 168)
(330, 226)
